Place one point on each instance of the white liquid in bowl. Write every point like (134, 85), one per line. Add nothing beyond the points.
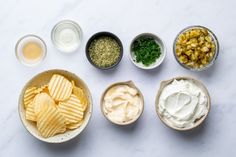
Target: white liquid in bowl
(66, 36)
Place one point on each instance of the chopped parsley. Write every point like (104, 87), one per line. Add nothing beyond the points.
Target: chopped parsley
(146, 50)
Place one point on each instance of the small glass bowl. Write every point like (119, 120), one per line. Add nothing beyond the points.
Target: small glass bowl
(63, 25)
(215, 40)
(30, 38)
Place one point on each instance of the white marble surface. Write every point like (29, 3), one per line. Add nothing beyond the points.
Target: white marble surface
(126, 18)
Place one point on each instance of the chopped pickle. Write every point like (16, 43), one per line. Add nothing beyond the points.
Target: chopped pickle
(195, 48)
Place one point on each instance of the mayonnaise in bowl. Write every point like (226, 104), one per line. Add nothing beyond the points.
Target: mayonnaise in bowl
(122, 103)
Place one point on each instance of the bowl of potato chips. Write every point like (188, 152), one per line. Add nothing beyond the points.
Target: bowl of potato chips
(55, 106)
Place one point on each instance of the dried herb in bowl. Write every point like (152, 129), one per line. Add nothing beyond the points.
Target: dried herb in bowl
(146, 50)
(104, 51)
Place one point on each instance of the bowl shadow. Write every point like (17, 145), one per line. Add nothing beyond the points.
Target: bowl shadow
(127, 129)
(153, 72)
(193, 134)
(66, 147)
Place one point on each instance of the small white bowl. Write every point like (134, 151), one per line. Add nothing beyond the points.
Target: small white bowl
(42, 79)
(158, 61)
(130, 84)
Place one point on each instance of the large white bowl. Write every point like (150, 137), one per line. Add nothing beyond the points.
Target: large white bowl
(41, 79)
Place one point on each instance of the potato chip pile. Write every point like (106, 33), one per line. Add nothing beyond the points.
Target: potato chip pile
(55, 107)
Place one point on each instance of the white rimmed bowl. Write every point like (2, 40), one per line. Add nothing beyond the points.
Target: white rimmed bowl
(130, 84)
(42, 79)
(198, 121)
(158, 61)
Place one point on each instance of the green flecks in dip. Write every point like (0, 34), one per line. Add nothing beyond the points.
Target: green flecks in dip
(146, 50)
(104, 51)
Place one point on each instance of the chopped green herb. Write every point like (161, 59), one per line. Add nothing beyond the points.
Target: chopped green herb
(104, 51)
(146, 50)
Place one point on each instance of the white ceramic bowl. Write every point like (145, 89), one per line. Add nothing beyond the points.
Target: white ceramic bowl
(41, 79)
(199, 121)
(131, 84)
(158, 61)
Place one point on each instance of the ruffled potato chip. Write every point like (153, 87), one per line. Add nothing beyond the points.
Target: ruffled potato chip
(55, 107)
(41, 101)
(81, 96)
(72, 109)
(73, 126)
(29, 95)
(50, 122)
(59, 88)
(29, 113)
(43, 89)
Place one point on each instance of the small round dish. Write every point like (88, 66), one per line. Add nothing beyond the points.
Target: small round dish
(97, 36)
(198, 121)
(42, 79)
(215, 40)
(66, 36)
(158, 60)
(130, 84)
(29, 39)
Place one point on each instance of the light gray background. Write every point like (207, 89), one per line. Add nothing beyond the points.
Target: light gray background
(126, 18)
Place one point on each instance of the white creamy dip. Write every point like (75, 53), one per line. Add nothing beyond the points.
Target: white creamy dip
(122, 104)
(181, 103)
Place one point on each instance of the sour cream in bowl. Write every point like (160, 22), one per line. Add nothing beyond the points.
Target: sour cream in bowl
(182, 103)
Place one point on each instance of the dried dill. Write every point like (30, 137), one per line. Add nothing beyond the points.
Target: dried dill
(104, 51)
